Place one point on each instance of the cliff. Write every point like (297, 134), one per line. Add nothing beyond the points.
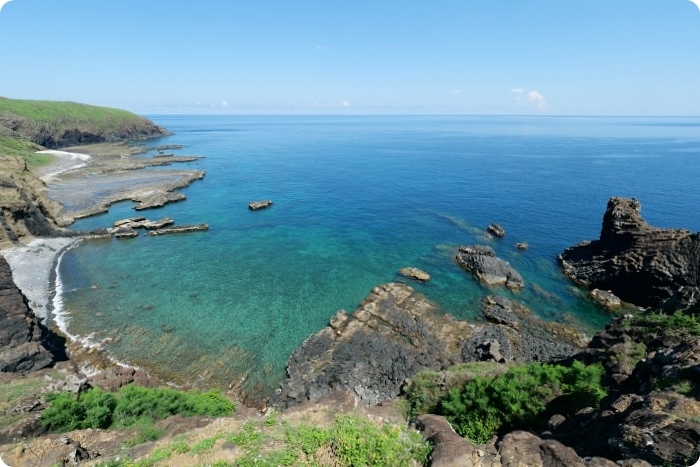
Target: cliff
(641, 264)
(25, 344)
(62, 124)
(30, 126)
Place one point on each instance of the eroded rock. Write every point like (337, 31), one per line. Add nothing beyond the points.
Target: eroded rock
(415, 273)
(481, 261)
(639, 263)
(257, 205)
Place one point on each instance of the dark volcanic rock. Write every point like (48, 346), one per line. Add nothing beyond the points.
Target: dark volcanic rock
(481, 261)
(394, 334)
(517, 335)
(257, 205)
(496, 230)
(638, 420)
(24, 342)
(639, 263)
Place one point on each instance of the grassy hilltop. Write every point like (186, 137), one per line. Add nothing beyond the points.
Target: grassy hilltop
(27, 126)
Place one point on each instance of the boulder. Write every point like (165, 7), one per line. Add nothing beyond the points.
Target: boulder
(481, 261)
(450, 449)
(522, 246)
(415, 273)
(257, 205)
(496, 230)
(641, 264)
(605, 298)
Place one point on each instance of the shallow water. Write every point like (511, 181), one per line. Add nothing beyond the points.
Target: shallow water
(356, 199)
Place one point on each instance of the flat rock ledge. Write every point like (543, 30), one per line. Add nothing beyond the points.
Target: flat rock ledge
(258, 205)
(415, 273)
(641, 264)
(179, 229)
(482, 263)
(396, 332)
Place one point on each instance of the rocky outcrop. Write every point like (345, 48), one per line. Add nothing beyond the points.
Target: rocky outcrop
(178, 229)
(654, 372)
(25, 211)
(396, 333)
(605, 298)
(496, 230)
(514, 334)
(257, 205)
(415, 273)
(481, 261)
(25, 345)
(641, 264)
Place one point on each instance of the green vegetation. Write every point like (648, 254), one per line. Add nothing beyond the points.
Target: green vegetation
(678, 322)
(132, 405)
(350, 441)
(487, 405)
(428, 388)
(13, 392)
(66, 115)
(16, 147)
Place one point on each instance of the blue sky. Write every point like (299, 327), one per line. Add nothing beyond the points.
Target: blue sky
(554, 57)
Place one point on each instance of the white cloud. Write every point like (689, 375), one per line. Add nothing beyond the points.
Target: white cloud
(345, 104)
(456, 91)
(517, 90)
(197, 103)
(322, 47)
(224, 103)
(537, 98)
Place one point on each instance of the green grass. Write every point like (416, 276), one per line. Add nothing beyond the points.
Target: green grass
(132, 405)
(65, 114)
(13, 392)
(16, 147)
(487, 405)
(678, 322)
(352, 441)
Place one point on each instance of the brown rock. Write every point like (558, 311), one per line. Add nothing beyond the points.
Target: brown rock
(415, 273)
(450, 449)
(257, 205)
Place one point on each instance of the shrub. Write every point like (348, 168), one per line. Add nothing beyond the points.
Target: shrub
(486, 405)
(676, 322)
(127, 407)
(356, 442)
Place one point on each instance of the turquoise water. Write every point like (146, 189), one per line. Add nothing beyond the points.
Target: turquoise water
(356, 199)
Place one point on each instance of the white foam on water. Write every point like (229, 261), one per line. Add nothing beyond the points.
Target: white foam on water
(61, 318)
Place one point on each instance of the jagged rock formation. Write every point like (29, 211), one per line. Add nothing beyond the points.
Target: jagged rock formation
(641, 264)
(646, 416)
(396, 333)
(415, 273)
(25, 345)
(24, 208)
(481, 261)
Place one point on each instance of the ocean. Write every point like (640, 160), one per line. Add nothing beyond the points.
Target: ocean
(356, 198)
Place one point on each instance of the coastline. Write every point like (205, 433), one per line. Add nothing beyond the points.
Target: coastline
(35, 260)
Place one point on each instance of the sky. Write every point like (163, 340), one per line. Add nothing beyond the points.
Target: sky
(494, 57)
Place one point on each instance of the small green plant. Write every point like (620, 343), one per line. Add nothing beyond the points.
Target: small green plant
(486, 405)
(356, 442)
(677, 322)
(130, 406)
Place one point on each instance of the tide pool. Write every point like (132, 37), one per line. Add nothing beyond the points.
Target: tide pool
(356, 199)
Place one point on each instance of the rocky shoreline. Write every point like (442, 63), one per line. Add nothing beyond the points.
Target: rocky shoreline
(372, 354)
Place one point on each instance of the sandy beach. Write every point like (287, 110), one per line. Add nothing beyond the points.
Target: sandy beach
(86, 180)
(32, 268)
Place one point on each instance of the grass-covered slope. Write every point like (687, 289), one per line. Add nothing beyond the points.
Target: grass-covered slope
(59, 124)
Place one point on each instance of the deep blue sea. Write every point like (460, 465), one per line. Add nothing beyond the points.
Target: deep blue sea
(355, 199)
